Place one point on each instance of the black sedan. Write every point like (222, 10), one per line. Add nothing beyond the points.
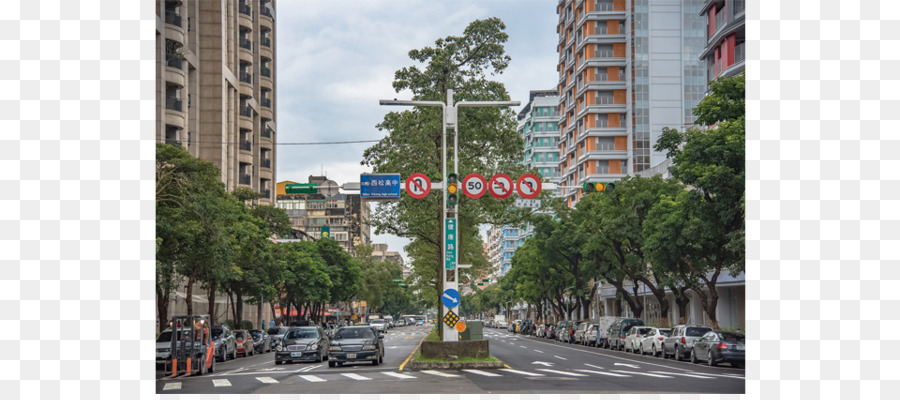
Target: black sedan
(262, 342)
(356, 344)
(719, 346)
(302, 343)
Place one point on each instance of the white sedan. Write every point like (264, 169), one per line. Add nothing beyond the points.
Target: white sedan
(634, 337)
(651, 343)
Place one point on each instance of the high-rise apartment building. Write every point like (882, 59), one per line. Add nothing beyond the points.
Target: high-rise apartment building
(344, 215)
(216, 86)
(627, 69)
(723, 51)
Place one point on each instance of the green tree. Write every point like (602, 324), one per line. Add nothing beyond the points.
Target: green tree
(304, 278)
(377, 277)
(342, 270)
(711, 162)
(487, 142)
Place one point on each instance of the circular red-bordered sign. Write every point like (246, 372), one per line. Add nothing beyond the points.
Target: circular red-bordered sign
(418, 185)
(528, 186)
(474, 185)
(500, 186)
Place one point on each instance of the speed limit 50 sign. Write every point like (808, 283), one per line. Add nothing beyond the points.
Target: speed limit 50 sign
(474, 185)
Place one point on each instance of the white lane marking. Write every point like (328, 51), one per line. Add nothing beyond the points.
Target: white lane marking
(357, 377)
(539, 351)
(478, 372)
(603, 373)
(561, 358)
(312, 378)
(172, 386)
(544, 363)
(266, 379)
(523, 347)
(439, 373)
(522, 372)
(643, 373)
(688, 375)
(561, 372)
(221, 382)
(592, 365)
(399, 375)
(628, 365)
(717, 375)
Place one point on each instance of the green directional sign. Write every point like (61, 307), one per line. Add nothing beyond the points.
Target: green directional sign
(297, 188)
(450, 249)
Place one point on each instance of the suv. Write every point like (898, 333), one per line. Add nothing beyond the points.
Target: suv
(618, 330)
(680, 343)
(226, 344)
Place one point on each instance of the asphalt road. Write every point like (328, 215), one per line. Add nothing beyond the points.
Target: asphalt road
(534, 366)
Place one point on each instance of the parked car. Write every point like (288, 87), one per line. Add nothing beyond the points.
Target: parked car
(164, 345)
(378, 324)
(262, 342)
(651, 343)
(244, 342)
(561, 331)
(719, 346)
(502, 325)
(355, 344)
(580, 330)
(634, 336)
(304, 343)
(277, 334)
(569, 331)
(225, 342)
(618, 330)
(590, 337)
(389, 320)
(603, 331)
(551, 331)
(541, 331)
(680, 343)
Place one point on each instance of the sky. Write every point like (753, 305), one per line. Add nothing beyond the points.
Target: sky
(336, 59)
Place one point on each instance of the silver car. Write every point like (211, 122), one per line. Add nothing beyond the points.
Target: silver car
(680, 343)
(651, 343)
(634, 336)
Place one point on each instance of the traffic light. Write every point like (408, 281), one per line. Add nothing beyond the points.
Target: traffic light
(590, 187)
(452, 188)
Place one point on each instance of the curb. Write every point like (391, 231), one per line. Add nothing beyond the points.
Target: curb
(415, 350)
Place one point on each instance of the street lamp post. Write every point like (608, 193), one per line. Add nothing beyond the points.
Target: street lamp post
(449, 116)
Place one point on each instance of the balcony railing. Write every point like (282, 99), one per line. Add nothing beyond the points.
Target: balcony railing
(246, 145)
(244, 9)
(265, 11)
(244, 179)
(172, 18)
(739, 6)
(267, 133)
(173, 61)
(265, 42)
(246, 112)
(266, 103)
(246, 43)
(173, 104)
(267, 163)
(739, 53)
(265, 72)
(246, 78)
(720, 21)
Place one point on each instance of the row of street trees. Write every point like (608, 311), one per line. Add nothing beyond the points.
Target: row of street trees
(208, 236)
(678, 234)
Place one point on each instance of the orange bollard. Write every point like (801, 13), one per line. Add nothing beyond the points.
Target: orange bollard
(174, 366)
(188, 371)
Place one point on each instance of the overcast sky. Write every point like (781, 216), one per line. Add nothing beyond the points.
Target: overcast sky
(336, 59)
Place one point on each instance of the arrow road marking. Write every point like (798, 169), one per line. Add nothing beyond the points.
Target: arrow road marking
(561, 358)
(221, 382)
(544, 363)
(561, 372)
(603, 373)
(628, 365)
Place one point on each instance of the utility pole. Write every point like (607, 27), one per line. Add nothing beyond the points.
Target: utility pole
(450, 270)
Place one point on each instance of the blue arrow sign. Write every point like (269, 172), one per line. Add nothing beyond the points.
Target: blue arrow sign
(450, 298)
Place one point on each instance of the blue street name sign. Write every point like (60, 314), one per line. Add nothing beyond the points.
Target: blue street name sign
(379, 186)
(450, 298)
(450, 244)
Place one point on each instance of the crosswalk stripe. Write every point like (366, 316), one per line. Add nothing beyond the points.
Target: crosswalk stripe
(522, 372)
(357, 377)
(478, 372)
(688, 375)
(603, 373)
(439, 373)
(561, 372)
(643, 373)
(399, 375)
(172, 386)
(312, 378)
(221, 382)
(266, 379)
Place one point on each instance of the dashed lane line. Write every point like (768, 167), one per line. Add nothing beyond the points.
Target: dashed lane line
(603, 373)
(592, 365)
(561, 372)
(479, 372)
(688, 375)
(642, 373)
(538, 351)
(561, 358)
(523, 347)
(221, 382)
